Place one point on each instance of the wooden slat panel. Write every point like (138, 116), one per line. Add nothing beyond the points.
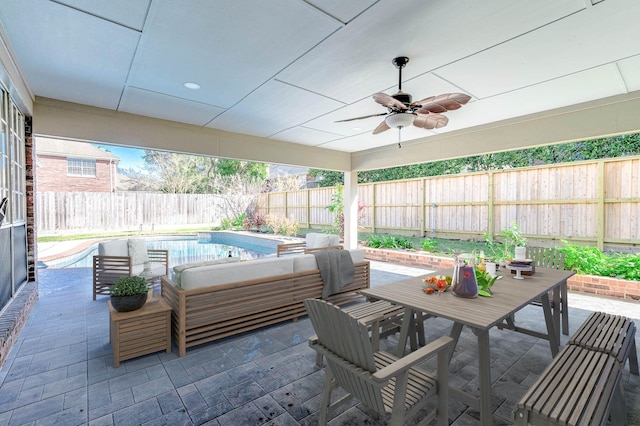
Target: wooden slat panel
(206, 314)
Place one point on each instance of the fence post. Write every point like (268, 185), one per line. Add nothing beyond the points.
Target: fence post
(373, 208)
(491, 225)
(600, 211)
(423, 206)
(308, 209)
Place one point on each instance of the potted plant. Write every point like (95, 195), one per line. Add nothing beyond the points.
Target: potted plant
(129, 293)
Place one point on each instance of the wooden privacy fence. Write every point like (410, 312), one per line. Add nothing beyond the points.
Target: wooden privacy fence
(593, 202)
(109, 211)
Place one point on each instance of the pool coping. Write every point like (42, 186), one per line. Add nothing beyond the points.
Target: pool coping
(83, 245)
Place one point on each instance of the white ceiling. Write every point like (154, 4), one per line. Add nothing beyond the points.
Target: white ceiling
(288, 69)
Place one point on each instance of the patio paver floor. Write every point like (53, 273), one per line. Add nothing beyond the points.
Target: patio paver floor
(60, 370)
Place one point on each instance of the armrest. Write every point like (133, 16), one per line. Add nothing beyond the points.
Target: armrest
(159, 256)
(311, 250)
(108, 268)
(440, 344)
(156, 255)
(291, 248)
(111, 260)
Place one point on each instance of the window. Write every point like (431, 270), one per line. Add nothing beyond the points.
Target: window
(81, 167)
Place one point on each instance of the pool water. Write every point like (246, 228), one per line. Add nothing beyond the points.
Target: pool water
(207, 246)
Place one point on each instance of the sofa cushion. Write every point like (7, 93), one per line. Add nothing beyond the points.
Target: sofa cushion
(304, 262)
(113, 248)
(177, 270)
(307, 262)
(137, 250)
(234, 272)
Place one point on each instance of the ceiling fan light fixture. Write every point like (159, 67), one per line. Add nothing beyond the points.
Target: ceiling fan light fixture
(400, 119)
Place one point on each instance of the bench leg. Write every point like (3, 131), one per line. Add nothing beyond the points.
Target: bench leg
(618, 410)
(633, 357)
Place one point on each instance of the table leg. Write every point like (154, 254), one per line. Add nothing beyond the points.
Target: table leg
(565, 308)
(404, 331)
(552, 327)
(556, 311)
(455, 335)
(484, 366)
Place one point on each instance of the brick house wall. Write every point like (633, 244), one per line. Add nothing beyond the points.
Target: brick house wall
(53, 176)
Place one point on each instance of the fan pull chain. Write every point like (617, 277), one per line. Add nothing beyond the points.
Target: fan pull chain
(399, 136)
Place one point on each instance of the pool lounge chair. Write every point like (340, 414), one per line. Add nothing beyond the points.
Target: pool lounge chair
(118, 258)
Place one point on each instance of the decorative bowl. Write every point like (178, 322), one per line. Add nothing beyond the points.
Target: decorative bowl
(433, 283)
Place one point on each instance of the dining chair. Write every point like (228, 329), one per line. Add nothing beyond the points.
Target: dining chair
(384, 383)
(546, 257)
(383, 319)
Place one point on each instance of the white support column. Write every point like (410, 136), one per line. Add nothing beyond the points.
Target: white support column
(350, 210)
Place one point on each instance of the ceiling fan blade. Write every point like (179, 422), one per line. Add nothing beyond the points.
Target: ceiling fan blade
(441, 103)
(388, 101)
(381, 128)
(430, 121)
(360, 118)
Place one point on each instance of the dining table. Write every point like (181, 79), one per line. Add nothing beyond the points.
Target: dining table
(480, 314)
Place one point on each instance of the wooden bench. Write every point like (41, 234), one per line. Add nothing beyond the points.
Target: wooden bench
(583, 386)
(580, 387)
(612, 334)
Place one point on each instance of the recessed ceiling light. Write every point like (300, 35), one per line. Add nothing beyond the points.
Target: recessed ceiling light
(191, 85)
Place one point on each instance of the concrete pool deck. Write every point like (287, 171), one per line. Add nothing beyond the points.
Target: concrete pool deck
(61, 369)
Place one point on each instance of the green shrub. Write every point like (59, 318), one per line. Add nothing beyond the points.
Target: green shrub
(238, 221)
(225, 224)
(388, 241)
(129, 286)
(429, 245)
(591, 261)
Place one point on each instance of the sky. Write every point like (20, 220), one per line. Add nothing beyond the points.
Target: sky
(129, 157)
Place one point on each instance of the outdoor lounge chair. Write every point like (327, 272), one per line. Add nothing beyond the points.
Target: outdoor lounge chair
(313, 241)
(117, 258)
(383, 382)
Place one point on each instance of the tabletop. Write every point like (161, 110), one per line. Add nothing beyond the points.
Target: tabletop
(509, 296)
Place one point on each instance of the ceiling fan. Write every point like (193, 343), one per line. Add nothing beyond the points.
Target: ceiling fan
(402, 112)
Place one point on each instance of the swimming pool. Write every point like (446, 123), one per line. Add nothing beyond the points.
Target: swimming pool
(206, 246)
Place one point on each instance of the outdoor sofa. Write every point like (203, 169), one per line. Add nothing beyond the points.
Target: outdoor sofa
(227, 297)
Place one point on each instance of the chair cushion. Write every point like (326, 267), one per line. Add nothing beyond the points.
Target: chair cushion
(113, 248)
(318, 240)
(138, 250)
(149, 269)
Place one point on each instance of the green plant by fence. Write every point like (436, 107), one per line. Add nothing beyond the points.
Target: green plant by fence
(589, 202)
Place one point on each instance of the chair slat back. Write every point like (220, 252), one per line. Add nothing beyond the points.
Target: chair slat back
(351, 358)
(546, 257)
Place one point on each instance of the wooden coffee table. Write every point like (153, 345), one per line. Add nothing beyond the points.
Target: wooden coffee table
(140, 332)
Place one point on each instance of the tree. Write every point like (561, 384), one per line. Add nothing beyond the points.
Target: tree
(236, 182)
(615, 146)
(197, 174)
